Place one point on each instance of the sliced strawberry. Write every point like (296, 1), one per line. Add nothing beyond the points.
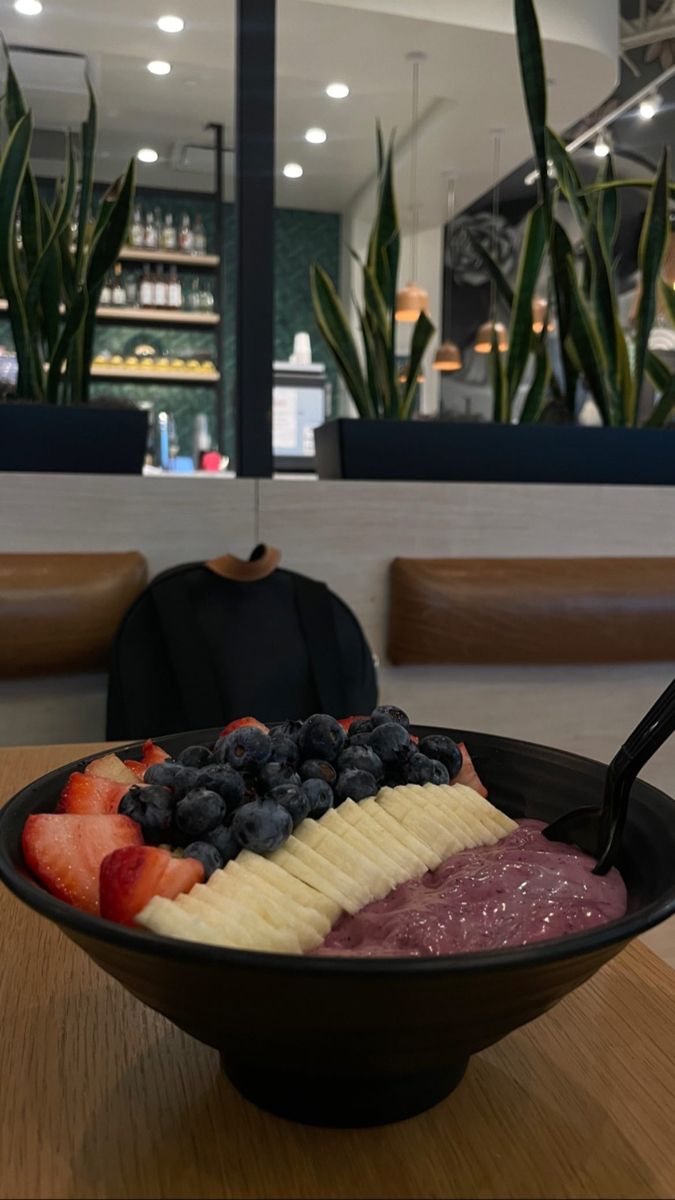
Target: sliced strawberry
(153, 754)
(414, 738)
(111, 767)
(468, 774)
(130, 877)
(345, 722)
(90, 794)
(239, 724)
(65, 851)
(138, 768)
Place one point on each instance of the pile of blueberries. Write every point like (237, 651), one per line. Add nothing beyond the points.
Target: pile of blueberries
(254, 786)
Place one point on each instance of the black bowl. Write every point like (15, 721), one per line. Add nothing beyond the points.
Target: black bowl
(365, 1041)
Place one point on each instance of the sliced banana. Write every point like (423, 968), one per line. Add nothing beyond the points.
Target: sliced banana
(317, 905)
(230, 884)
(261, 933)
(306, 864)
(468, 831)
(167, 918)
(311, 917)
(337, 850)
(227, 926)
(483, 809)
(403, 806)
(377, 834)
(420, 848)
(392, 870)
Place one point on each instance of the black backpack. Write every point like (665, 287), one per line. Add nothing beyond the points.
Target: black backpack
(206, 643)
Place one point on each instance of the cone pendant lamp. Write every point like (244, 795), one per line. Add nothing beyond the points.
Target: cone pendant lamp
(487, 331)
(413, 299)
(449, 356)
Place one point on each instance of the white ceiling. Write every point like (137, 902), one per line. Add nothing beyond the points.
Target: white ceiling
(469, 84)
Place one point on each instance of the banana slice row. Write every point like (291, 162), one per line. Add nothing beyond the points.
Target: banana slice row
(288, 901)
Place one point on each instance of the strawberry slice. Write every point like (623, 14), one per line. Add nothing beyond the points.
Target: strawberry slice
(468, 774)
(153, 754)
(240, 723)
(111, 767)
(130, 877)
(65, 851)
(90, 794)
(138, 768)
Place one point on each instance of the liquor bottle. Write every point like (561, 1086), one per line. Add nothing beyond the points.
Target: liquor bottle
(106, 292)
(131, 285)
(195, 297)
(206, 300)
(150, 234)
(169, 238)
(201, 439)
(199, 236)
(137, 232)
(119, 291)
(175, 289)
(161, 290)
(147, 288)
(185, 238)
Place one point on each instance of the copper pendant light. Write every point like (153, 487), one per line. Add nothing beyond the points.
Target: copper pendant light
(413, 299)
(449, 356)
(484, 336)
(540, 313)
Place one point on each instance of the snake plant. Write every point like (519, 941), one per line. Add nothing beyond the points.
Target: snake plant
(53, 286)
(372, 375)
(593, 345)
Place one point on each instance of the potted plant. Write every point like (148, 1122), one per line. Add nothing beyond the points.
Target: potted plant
(52, 290)
(524, 445)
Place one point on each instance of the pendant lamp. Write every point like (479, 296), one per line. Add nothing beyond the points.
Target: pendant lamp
(449, 356)
(540, 313)
(484, 336)
(413, 299)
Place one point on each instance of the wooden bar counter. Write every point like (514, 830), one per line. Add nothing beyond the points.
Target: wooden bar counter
(100, 1097)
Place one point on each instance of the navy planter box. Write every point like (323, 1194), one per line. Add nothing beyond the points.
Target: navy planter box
(444, 451)
(81, 439)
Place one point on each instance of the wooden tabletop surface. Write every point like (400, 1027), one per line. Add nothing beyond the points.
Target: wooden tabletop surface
(101, 1097)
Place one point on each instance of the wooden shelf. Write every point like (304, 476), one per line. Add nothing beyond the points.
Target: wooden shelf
(163, 316)
(173, 257)
(155, 375)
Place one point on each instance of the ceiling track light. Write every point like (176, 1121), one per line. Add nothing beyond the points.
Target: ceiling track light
(602, 147)
(650, 105)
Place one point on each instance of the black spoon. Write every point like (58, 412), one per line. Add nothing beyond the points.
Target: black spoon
(598, 831)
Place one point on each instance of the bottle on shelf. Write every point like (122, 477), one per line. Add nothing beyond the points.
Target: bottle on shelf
(185, 237)
(199, 236)
(106, 292)
(161, 289)
(147, 288)
(195, 296)
(137, 231)
(150, 233)
(169, 238)
(131, 285)
(206, 300)
(175, 289)
(119, 291)
(201, 439)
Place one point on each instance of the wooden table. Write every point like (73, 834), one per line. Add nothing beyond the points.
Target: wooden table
(100, 1097)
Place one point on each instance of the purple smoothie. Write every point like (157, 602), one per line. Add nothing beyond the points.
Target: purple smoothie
(522, 890)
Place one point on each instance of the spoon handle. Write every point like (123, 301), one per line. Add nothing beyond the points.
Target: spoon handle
(652, 731)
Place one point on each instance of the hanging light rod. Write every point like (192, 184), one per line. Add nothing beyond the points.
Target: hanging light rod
(589, 134)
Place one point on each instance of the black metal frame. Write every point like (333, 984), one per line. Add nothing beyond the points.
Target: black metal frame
(256, 39)
(221, 299)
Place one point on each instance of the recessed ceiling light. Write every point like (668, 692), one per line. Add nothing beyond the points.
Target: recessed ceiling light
(293, 171)
(147, 155)
(170, 24)
(315, 135)
(28, 8)
(159, 67)
(337, 91)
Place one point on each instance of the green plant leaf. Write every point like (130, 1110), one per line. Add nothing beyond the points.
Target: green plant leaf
(587, 345)
(495, 272)
(376, 386)
(664, 382)
(384, 242)
(645, 184)
(520, 337)
(110, 232)
(668, 297)
(653, 242)
(608, 208)
(66, 345)
(13, 168)
(536, 396)
(501, 410)
(334, 327)
(422, 334)
(89, 133)
(568, 178)
(657, 371)
(533, 75)
(47, 270)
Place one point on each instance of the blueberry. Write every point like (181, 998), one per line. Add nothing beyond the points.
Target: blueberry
(224, 841)
(284, 750)
(199, 812)
(320, 796)
(314, 768)
(262, 826)
(163, 773)
(223, 780)
(360, 725)
(438, 746)
(361, 758)
(184, 779)
(289, 729)
(391, 743)
(418, 769)
(247, 748)
(195, 756)
(291, 797)
(354, 785)
(386, 713)
(207, 855)
(441, 774)
(274, 773)
(321, 737)
(152, 807)
(360, 739)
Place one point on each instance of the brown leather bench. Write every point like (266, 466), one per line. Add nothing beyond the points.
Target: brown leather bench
(59, 612)
(531, 610)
